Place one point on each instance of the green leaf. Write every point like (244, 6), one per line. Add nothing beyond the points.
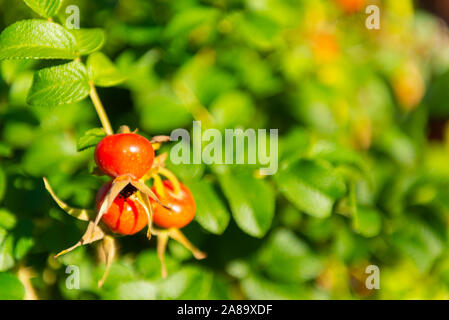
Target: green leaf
(136, 290)
(295, 144)
(23, 246)
(185, 171)
(232, 109)
(338, 155)
(10, 287)
(163, 112)
(367, 221)
(256, 287)
(287, 258)
(7, 219)
(18, 134)
(60, 84)
(90, 139)
(88, 40)
(257, 29)
(186, 21)
(251, 200)
(45, 8)
(398, 145)
(2, 184)
(102, 71)
(37, 39)
(311, 186)
(211, 213)
(51, 150)
(5, 150)
(6, 250)
(147, 263)
(419, 241)
(188, 283)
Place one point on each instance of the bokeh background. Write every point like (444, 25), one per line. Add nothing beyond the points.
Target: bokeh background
(362, 116)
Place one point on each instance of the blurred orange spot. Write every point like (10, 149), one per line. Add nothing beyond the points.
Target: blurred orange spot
(325, 47)
(408, 86)
(351, 6)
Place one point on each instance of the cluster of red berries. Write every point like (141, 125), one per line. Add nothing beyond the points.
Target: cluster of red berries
(132, 156)
(125, 205)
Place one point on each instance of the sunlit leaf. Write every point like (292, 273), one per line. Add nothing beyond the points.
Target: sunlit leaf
(88, 40)
(10, 287)
(45, 8)
(211, 212)
(311, 186)
(6, 250)
(37, 39)
(90, 139)
(60, 84)
(367, 221)
(102, 71)
(286, 258)
(251, 201)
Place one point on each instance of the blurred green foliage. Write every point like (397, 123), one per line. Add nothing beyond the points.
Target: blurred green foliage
(364, 149)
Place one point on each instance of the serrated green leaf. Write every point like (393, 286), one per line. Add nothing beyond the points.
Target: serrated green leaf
(311, 186)
(251, 201)
(60, 84)
(102, 71)
(10, 287)
(37, 39)
(45, 8)
(88, 40)
(211, 213)
(90, 139)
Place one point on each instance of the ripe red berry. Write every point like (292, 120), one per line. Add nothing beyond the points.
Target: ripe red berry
(126, 215)
(182, 207)
(124, 153)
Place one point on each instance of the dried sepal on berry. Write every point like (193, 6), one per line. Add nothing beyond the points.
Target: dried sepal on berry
(127, 214)
(149, 209)
(117, 186)
(92, 234)
(113, 192)
(80, 214)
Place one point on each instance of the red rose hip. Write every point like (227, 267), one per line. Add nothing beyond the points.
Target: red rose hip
(182, 207)
(126, 215)
(124, 153)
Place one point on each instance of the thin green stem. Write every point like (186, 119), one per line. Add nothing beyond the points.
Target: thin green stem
(100, 110)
